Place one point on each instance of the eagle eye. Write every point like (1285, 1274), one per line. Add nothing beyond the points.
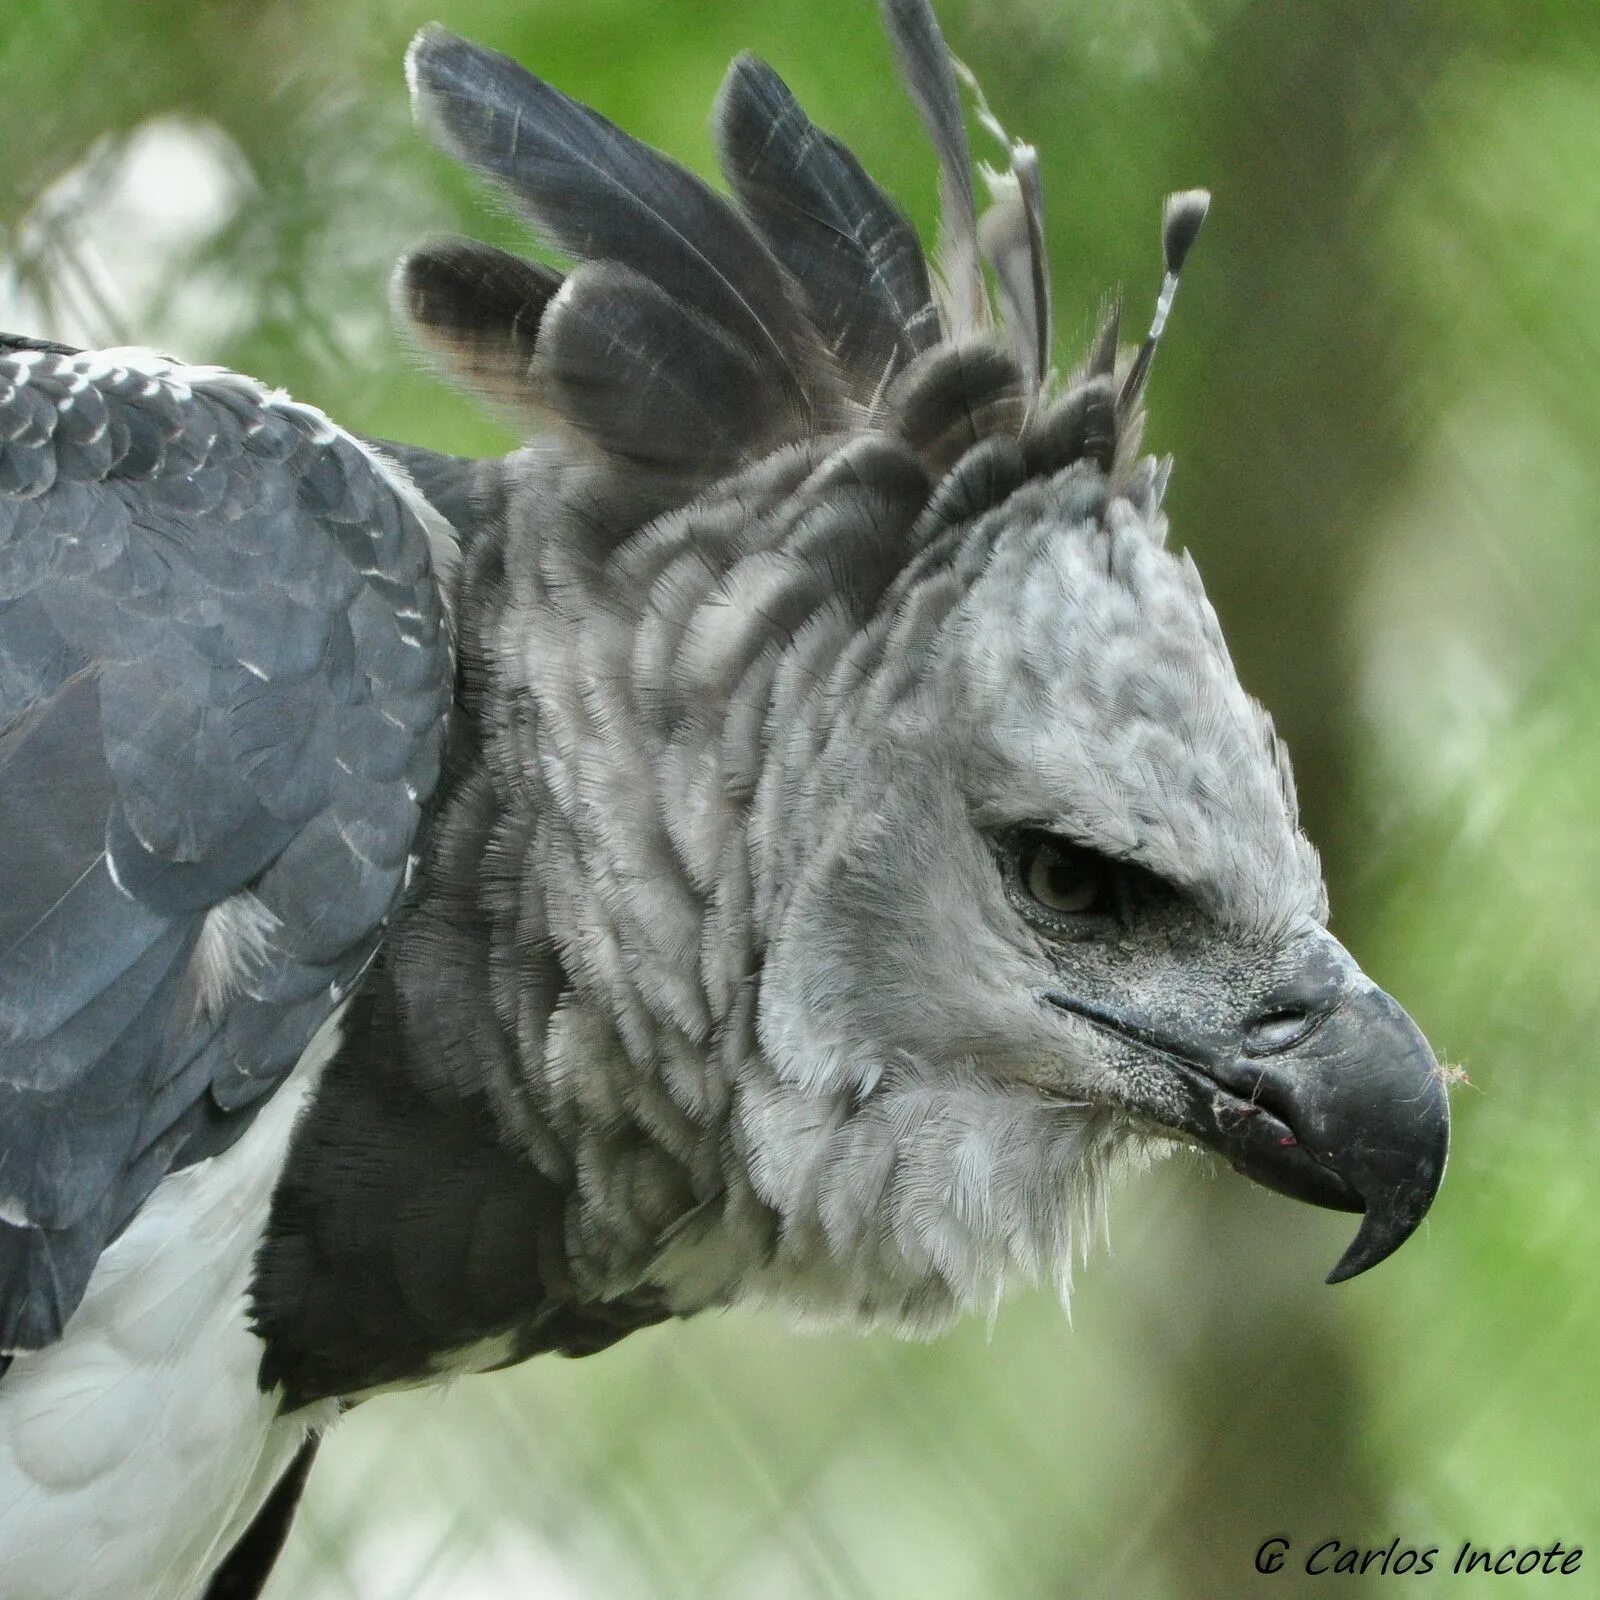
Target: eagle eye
(1072, 891)
(1065, 878)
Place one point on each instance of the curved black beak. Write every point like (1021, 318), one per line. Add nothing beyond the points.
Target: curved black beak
(1352, 1115)
(1334, 1098)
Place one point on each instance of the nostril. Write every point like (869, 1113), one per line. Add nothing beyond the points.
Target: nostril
(1279, 1029)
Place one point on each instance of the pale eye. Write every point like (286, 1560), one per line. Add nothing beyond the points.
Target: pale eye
(1064, 878)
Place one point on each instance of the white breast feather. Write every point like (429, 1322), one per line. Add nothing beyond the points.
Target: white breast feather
(136, 1449)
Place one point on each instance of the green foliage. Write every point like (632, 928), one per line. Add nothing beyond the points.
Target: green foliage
(1380, 386)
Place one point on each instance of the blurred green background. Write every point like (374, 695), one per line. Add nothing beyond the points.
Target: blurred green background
(1382, 386)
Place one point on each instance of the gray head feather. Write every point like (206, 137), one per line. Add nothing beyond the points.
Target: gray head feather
(764, 721)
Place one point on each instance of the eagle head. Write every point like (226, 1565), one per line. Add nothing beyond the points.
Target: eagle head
(895, 850)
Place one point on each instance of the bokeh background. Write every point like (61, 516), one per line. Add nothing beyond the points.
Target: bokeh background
(1382, 386)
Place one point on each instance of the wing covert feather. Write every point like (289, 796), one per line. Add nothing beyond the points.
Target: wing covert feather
(224, 678)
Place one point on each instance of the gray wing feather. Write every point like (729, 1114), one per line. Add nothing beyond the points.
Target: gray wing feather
(466, 491)
(223, 682)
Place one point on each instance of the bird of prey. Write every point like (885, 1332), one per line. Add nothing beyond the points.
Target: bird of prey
(787, 834)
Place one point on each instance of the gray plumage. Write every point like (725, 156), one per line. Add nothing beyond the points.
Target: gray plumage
(854, 843)
(601, 195)
(1011, 237)
(930, 79)
(222, 684)
(852, 253)
(811, 606)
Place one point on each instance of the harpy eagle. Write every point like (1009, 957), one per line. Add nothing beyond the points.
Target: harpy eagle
(787, 834)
